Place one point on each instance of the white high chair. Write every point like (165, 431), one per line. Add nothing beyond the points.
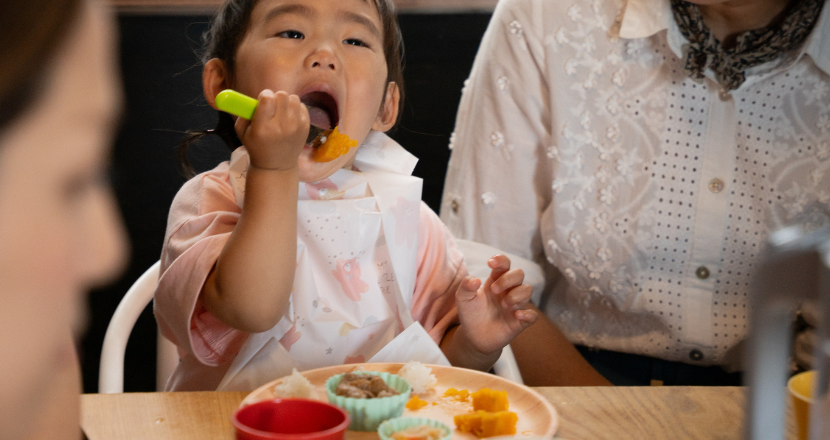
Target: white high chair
(111, 375)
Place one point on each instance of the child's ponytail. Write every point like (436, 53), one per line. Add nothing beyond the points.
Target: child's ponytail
(222, 38)
(224, 129)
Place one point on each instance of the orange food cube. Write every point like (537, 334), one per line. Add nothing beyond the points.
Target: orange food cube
(460, 395)
(487, 424)
(489, 400)
(470, 422)
(415, 403)
(336, 145)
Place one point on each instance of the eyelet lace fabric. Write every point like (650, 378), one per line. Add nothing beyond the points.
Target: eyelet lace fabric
(598, 157)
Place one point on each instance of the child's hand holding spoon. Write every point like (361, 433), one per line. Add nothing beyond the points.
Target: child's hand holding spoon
(328, 144)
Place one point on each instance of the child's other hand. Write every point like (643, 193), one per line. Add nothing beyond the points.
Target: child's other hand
(493, 314)
(276, 134)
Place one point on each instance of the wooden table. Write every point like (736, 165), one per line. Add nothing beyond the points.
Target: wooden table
(585, 413)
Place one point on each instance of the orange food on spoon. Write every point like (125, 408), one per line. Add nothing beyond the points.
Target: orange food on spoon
(332, 146)
(328, 144)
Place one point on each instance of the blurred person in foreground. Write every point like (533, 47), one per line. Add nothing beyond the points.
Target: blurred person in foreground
(59, 231)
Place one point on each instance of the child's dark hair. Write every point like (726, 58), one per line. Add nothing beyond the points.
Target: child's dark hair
(226, 32)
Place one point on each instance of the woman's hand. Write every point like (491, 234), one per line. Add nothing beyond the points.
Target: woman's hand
(276, 134)
(493, 313)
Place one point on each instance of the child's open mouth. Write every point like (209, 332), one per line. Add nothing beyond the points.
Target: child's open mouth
(322, 113)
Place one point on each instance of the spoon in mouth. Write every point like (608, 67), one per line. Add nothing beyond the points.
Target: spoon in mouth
(316, 136)
(334, 144)
(235, 103)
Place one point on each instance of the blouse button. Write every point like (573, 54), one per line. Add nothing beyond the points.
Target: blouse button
(695, 355)
(702, 272)
(716, 185)
(454, 206)
(724, 94)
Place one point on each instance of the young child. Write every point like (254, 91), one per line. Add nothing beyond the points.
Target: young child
(274, 261)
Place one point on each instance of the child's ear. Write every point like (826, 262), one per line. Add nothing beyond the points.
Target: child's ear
(214, 80)
(389, 111)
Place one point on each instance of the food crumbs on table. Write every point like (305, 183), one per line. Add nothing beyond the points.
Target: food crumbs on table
(415, 403)
(489, 400)
(487, 424)
(363, 386)
(418, 433)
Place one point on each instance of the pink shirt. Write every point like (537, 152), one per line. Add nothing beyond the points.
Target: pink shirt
(202, 216)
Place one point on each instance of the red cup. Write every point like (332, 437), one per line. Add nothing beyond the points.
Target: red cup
(290, 419)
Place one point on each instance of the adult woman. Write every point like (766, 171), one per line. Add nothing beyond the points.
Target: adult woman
(58, 226)
(653, 144)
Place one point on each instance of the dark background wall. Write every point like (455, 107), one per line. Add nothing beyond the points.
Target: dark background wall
(162, 83)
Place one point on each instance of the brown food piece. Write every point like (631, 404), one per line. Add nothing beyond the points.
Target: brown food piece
(363, 386)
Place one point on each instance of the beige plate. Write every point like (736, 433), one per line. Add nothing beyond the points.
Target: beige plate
(537, 417)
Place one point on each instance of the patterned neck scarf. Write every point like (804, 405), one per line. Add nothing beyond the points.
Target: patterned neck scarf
(753, 47)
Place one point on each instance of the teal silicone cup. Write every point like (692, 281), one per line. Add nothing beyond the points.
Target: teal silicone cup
(391, 426)
(367, 414)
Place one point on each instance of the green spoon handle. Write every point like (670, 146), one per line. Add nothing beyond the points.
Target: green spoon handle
(235, 103)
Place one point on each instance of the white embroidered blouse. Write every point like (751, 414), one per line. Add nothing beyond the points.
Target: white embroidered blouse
(581, 145)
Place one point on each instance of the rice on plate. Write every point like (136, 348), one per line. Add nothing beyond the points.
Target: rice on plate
(419, 376)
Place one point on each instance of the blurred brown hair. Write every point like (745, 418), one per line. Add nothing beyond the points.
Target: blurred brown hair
(30, 30)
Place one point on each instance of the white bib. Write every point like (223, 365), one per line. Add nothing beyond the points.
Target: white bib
(357, 237)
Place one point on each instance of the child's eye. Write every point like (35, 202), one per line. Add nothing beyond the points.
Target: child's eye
(295, 35)
(355, 42)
